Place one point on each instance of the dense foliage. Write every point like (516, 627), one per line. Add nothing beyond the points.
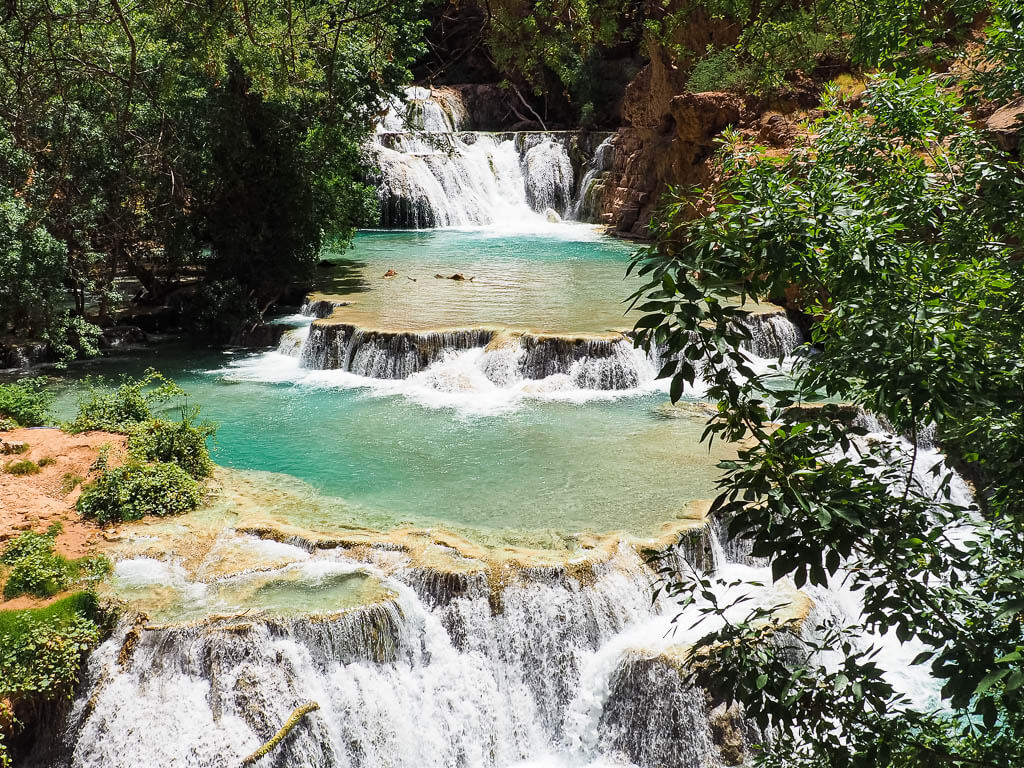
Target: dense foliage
(899, 224)
(135, 490)
(774, 41)
(178, 442)
(176, 143)
(125, 406)
(166, 457)
(560, 45)
(35, 568)
(26, 402)
(42, 651)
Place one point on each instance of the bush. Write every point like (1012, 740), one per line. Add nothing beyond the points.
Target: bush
(25, 402)
(131, 403)
(36, 568)
(29, 543)
(716, 71)
(39, 574)
(47, 461)
(23, 467)
(41, 650)
(178, 442)
(41, 655)
(135, 490)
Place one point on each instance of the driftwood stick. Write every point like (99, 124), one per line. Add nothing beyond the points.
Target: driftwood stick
(293, 720)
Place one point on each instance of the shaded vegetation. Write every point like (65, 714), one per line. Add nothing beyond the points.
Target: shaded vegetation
(203, 151)
(898, 227)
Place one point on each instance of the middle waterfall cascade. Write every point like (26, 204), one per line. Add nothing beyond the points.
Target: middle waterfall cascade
(460, 668)
(434, 172)
(608, 362)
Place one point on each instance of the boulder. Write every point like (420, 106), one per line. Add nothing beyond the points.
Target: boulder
(1006, 125)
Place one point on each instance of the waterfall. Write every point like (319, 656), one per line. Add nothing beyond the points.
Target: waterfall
(433, 172)
(547, 173)
(455, 670)
(485, 358)
(457, 663)
(505, 359)
(592, 184)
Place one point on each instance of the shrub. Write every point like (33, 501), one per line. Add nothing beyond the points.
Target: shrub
(47, 461)
(23, 467)
(102, 459)
(120, 409)
(715, 71)
(7, 424)
(135, 490)
(41, 650)
(36, 568)
(178, 442)
(41, 655)
(29, 543)
(70, 481)
(25, 402)
(39, 574)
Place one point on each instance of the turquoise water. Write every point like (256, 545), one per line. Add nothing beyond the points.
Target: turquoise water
(446, 447)
(548, 469)
(566, 280)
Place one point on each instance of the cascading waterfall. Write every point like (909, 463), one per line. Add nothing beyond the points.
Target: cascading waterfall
(592, 184)
(461, 666)
(506, 359)
(443, 674)
(433, 172)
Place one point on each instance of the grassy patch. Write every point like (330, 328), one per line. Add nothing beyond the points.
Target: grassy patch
(47, 461)
(70, 481)
(58, 613)
(23, 467)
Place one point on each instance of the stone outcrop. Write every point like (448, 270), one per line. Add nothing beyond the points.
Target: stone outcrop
(1006, 126)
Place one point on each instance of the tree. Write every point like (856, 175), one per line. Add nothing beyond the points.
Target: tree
(158, 134)
(900, 225)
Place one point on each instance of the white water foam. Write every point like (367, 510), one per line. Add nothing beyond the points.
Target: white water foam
(462, 381)
(435, 174)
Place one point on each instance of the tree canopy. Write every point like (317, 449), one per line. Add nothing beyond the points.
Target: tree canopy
(173, 142)
(897, 225)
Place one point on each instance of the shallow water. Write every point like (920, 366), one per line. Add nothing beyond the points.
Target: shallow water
(564, 279)
(552, 468)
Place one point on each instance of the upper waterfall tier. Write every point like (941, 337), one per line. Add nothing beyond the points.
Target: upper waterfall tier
(433, 172)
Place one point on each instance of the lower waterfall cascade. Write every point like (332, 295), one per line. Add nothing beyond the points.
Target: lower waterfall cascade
(552, 668)
(457, 665)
